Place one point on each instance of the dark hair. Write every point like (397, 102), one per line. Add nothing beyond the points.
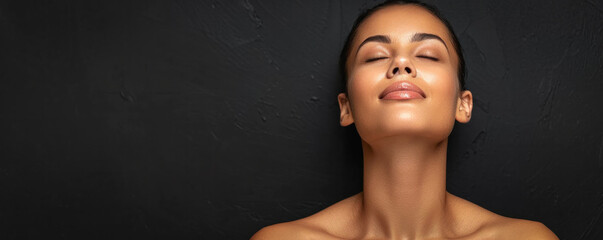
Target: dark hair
(345, 52)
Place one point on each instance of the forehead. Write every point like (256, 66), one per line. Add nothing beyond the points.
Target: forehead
(400, 22)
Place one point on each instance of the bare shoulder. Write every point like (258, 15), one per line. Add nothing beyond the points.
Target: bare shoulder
(288, 230)
(481, 222)
(329, 223)
(511, 228)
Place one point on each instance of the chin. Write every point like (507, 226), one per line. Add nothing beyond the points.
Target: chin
(406, 126)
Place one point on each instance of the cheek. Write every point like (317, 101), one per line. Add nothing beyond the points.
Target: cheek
(364, 101)
(362, 85)
(444, 87)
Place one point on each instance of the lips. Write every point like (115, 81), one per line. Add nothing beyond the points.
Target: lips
(402, 90)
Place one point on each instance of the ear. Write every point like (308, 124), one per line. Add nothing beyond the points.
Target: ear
(345, 112)
(464, 107)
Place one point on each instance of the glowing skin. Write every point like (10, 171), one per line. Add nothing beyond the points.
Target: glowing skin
(404, 97)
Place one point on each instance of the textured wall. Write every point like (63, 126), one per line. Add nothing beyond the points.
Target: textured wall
(211, 119)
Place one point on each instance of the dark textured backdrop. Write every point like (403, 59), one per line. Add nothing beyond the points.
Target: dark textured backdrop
(211, 119)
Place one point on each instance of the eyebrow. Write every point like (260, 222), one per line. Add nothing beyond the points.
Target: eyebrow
(376, 38)
(417, 37)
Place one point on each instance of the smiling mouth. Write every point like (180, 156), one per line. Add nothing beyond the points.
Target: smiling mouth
(402, 91)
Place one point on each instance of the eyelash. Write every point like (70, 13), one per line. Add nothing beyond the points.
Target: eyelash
(430, 58)
(375, 59)
(379, 58)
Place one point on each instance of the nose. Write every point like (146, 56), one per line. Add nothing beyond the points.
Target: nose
(401, 66)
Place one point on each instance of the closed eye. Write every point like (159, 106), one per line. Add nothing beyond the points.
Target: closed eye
(430, 58)
(375, 59)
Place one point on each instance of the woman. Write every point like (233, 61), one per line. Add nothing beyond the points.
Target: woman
(404, 90)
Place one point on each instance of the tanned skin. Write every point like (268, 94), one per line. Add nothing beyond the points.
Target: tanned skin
(404, 141)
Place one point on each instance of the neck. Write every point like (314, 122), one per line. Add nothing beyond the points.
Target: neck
(404, 188)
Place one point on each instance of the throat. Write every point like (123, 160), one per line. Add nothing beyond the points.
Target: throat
(404, 190)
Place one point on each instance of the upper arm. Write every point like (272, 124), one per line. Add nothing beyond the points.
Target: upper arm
(277, 232)
(524, 229)
(265, 233)
(539, 231)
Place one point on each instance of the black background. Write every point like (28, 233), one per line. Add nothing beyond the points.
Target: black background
(212, 119)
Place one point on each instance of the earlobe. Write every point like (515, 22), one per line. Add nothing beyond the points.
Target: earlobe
(345, 112)
(464, 107)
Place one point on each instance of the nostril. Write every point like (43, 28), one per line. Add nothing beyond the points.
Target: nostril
(407, 69)
(395, 70)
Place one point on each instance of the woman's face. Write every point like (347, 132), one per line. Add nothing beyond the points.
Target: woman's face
(402, 77)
